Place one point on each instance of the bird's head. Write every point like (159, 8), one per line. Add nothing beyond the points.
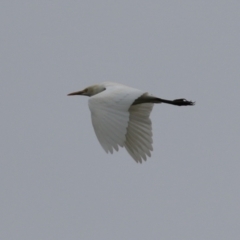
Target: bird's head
(89, 91)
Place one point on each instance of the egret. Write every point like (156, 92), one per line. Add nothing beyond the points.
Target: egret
(120, 117)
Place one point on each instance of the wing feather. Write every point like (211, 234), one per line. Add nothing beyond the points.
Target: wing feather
(109, 131)
(139, 132)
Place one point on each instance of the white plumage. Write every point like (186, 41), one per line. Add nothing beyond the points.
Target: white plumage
(120, 117)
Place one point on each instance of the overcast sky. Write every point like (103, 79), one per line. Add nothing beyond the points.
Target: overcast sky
(56, 180)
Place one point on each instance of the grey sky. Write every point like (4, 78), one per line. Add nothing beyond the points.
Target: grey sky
(56, 180)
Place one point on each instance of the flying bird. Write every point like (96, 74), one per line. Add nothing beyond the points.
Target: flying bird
(120, 117)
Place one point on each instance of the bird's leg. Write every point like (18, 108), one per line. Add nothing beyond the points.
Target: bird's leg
(177, 102)
(145, 98)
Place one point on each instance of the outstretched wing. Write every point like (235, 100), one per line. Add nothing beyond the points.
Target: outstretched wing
(110, 115)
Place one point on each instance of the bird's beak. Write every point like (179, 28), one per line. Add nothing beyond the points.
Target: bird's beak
(77, 93)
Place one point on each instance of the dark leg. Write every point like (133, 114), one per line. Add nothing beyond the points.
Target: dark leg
(145, 98)
(177, 102)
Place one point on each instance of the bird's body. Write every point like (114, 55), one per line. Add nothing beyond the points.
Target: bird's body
(120, 117)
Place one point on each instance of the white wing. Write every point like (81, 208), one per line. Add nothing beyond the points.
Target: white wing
(139, 132)
(110, 115)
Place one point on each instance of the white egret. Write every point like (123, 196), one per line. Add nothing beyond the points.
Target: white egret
(120, 117)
